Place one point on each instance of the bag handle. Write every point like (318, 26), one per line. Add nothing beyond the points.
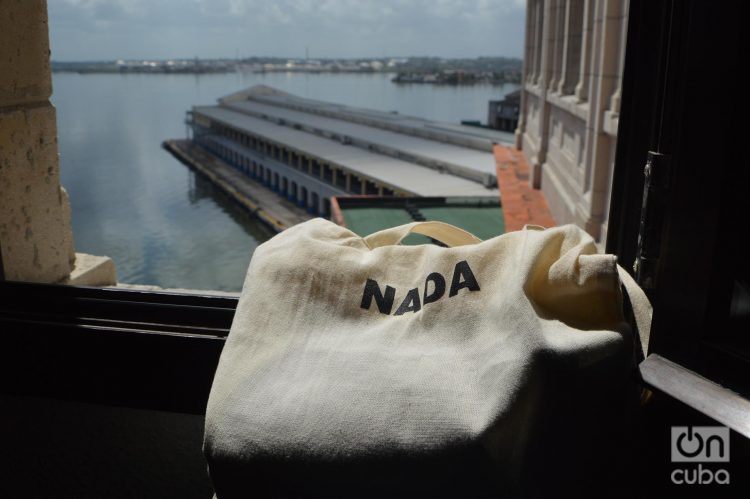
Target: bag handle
(447, 234)
(642, 310)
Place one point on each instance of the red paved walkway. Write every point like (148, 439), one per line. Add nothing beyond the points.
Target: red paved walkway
(521, 203)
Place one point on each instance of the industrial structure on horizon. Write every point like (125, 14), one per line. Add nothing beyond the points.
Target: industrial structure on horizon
(503, 114)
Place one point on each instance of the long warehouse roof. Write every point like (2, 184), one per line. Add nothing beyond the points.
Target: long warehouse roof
(439, 152)
(476, 137)
(405, 175)
(350, 113)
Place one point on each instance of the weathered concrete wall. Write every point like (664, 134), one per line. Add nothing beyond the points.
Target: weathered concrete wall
(24, 52)
(35, 235)
(36, 242)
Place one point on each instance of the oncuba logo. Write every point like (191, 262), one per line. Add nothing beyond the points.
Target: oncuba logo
(434, 289)
(700, 444)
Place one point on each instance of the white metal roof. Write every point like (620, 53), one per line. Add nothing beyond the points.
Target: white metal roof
(270, 95)
(405, 175)
(441, 153)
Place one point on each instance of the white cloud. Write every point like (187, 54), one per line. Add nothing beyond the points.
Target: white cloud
(83, 29)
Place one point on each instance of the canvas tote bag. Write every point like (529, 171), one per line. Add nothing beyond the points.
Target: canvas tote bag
(357, 367)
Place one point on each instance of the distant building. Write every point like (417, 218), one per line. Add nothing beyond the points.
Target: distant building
(309, 151)
(570, 103)
(503, 114)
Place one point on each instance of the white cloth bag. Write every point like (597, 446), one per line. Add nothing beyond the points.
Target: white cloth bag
(356, 366)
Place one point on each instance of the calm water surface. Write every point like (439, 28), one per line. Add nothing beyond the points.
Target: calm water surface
(161, 223)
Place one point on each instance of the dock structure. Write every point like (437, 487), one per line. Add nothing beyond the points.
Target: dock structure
(310, 151)
(276, 214)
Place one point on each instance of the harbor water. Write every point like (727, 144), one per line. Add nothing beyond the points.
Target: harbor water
(163, 224)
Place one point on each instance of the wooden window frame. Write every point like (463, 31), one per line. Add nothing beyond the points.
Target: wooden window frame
(668, 43)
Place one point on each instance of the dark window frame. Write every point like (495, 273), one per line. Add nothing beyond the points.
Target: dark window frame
(672, 42)
(130, 348)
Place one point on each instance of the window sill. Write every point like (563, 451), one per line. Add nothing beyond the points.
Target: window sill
(127, 348)
(703, 395)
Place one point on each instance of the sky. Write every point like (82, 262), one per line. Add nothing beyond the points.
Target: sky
(163, 29)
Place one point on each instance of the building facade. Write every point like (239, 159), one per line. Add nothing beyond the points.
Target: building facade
(570, 103)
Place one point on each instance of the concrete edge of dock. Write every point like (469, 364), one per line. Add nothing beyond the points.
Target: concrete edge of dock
(174, 147)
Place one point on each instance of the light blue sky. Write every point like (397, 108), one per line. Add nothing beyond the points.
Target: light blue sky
(160, 29)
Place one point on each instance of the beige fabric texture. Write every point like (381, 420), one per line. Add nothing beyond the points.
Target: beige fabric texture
(308, 370)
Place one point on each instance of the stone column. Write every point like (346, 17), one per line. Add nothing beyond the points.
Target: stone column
(527, 73)
(557, 42)
(35, 232)
(572, 58)
(542, 132)
(529, 61)
(607, 35)
(564, 13)
(614, 102)
(582, 89)
(539, 25)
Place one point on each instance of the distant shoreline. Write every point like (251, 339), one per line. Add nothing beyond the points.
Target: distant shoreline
(115, 71)
(422, 70)
(396, 80)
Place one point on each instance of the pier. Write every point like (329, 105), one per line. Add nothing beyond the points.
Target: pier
(285, 158)
(277, 213)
